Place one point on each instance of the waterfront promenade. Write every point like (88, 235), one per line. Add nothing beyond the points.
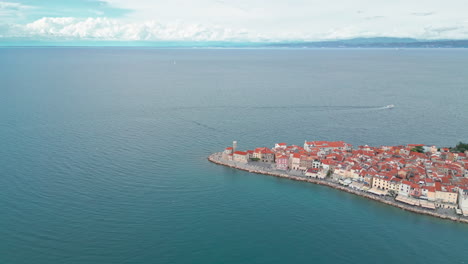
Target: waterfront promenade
(266, 169)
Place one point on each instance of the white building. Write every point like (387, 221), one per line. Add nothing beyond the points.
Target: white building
(316, 164)
(240, 156)
(280, 145)
(405, 188)
(463, 201)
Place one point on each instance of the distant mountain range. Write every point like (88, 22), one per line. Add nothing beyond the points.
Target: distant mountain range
(381, 42)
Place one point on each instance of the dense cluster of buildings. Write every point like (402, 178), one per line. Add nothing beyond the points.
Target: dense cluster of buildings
(430, 177)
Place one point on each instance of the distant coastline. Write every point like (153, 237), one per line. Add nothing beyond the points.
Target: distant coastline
(376, 42)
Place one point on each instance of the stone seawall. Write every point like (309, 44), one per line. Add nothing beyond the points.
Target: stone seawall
(215, 159)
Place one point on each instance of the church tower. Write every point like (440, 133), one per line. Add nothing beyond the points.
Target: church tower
(234, 146)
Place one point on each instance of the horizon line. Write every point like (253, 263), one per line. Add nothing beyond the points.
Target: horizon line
(358, 42)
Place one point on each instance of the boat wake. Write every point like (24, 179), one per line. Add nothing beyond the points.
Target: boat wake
(388, 107)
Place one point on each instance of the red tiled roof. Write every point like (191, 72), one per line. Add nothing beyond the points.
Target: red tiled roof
(445, 180)
(406, 182)
(263, 150)
(415, 145)
(429, 188)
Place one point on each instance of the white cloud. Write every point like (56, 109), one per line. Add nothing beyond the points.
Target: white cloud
(69, 28)
(13, 6)
(217, 20)
(10, 10)
(459, 31)
(423, 13)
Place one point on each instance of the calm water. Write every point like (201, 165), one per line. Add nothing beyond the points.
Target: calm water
(103, 153)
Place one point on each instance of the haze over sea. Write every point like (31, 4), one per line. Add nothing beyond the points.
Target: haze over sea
(103, 153)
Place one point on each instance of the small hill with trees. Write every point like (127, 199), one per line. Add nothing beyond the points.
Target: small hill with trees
(460, 147)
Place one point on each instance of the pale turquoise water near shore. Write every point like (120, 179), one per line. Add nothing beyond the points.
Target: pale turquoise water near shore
(103, 154)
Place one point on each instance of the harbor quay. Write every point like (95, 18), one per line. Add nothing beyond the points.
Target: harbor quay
(414, 177)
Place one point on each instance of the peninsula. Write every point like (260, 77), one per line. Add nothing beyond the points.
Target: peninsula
(414, 177)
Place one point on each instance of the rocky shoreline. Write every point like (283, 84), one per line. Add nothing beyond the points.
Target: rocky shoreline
(215, 158)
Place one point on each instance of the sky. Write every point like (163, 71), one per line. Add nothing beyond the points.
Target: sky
(230, 20)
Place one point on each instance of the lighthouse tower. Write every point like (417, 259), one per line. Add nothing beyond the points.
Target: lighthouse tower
(234, 146)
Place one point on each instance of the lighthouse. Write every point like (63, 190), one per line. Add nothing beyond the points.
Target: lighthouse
(234, 146)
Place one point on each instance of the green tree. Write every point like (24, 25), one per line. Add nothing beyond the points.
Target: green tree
(419, 149)
(461, 147)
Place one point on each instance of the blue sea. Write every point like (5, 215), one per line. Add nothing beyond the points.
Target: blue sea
(103, 153)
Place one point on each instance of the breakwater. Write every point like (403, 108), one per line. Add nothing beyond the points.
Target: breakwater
(216, 158)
